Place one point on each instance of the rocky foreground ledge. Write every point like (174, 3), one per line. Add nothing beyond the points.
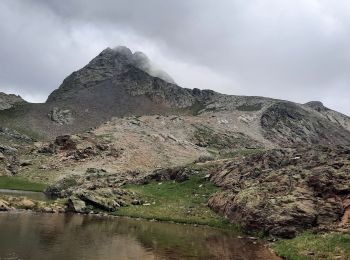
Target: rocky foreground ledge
(283, 192)
(10, 203)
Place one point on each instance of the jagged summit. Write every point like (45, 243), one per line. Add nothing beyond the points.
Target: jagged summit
(317, 105)
(109, 64)
(139, 60)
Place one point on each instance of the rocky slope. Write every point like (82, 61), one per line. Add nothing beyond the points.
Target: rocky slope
(289, 124)
(9, 100)
(140, 144)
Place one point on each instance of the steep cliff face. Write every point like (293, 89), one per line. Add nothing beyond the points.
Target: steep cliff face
(8, 100)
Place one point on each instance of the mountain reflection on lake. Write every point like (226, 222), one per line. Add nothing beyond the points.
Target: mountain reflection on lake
(59, 236)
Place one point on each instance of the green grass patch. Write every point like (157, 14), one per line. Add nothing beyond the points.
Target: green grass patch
(315, 246)
(196, 108)
(250, 107)
(108, 137)
(239, 152)
(15, 183)
(184, 202)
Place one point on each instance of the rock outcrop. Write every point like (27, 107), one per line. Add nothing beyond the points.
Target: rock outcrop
(61, 116)
(291, 125)
(285, 191)
(5, 206)
(96, 189)
(9, 100)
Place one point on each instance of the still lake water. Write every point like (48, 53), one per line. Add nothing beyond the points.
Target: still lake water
(28, 235)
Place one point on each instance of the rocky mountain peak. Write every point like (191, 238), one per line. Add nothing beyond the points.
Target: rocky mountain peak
(122, 55)
(123, 52)
(316, 105)
(109, 64)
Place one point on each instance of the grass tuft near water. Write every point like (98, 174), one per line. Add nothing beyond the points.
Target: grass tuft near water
(184, 202)
(15, 183)
(315, 246)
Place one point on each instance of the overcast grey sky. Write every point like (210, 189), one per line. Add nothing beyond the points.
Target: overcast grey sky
(297, 50)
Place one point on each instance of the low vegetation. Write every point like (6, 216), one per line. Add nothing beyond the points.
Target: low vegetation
(227, 154)
(15, 183)
(184, 202)
(315, 246)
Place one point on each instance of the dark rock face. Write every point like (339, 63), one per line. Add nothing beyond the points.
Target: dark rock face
(285, 191)
(66, 142)
(317, 105)
(179, 174)
(119, 66)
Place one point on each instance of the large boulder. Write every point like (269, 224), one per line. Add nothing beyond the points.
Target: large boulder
(77, 205)
(179, 174)
(26, 204)
(66, 142)
(104, 199)
(94, 189)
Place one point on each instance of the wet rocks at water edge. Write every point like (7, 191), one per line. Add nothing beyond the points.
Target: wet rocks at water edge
(9, 203)
(76, 205)
(106, 199)
(96, 189)
(5, 206)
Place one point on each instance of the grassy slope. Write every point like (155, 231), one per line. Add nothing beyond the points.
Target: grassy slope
(315, 246)
(184, 202)
(14, 183)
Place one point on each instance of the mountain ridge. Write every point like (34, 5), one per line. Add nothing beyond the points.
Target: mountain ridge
(116, 84)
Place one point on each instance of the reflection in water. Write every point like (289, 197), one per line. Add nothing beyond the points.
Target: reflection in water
(57, 236)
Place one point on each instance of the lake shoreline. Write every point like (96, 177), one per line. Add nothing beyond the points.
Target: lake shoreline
(86, 236)
(285, 248)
